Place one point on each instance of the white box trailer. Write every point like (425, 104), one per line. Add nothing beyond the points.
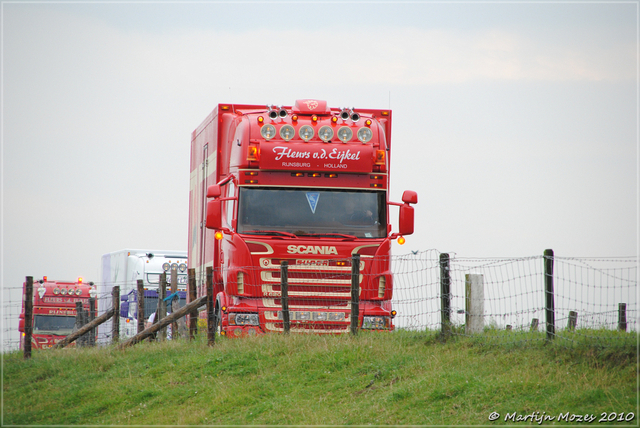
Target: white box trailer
(124, 268)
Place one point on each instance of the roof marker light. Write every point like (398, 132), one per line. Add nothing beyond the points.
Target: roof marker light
(314, 118)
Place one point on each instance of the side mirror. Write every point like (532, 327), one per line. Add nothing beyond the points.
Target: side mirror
(410, 197)
(213, 191)
(406, 212)
(406, 219)
(214, 214)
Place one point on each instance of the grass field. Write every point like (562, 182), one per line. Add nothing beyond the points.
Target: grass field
(401, 378)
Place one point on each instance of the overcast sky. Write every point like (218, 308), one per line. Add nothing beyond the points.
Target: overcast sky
(516, 123)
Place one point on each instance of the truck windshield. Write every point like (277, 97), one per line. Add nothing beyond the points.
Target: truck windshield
(343, 214)
(53, 324)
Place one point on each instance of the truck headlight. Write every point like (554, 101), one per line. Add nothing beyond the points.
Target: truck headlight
(376, 323)
(243, 319)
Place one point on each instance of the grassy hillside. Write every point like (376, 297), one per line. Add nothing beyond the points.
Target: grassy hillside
(399, 378)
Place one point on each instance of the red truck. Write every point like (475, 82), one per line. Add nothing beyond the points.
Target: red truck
(307, 184)
(54, 310)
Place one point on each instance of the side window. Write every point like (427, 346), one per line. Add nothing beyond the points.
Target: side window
(231, 192)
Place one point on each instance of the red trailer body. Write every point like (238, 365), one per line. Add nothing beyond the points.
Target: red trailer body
(307, 184)
(54, 310)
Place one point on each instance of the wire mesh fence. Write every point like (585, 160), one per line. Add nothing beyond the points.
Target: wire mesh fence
(594, 299)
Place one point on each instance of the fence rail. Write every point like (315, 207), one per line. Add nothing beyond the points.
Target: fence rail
(542, 297)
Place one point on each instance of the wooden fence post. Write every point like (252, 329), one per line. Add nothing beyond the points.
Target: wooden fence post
(622, 316)
(115, 326)
(174, 289)
(193, 316)
(474, 303)
(140, 305)
(79, 322)
(284, 295)
(355, 293)
(161, 309)
(28, 317)
(211, 322)
(445, 296)
(549, 297)
(573, 320)
(92, 316)
(534, 324)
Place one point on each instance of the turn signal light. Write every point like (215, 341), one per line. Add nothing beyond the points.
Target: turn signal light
(260, 119)
(252, 154)
(380, 157)
(401, 240)
(218, 235)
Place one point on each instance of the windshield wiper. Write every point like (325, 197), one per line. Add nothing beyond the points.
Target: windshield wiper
(330, 235)
(270, 232)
